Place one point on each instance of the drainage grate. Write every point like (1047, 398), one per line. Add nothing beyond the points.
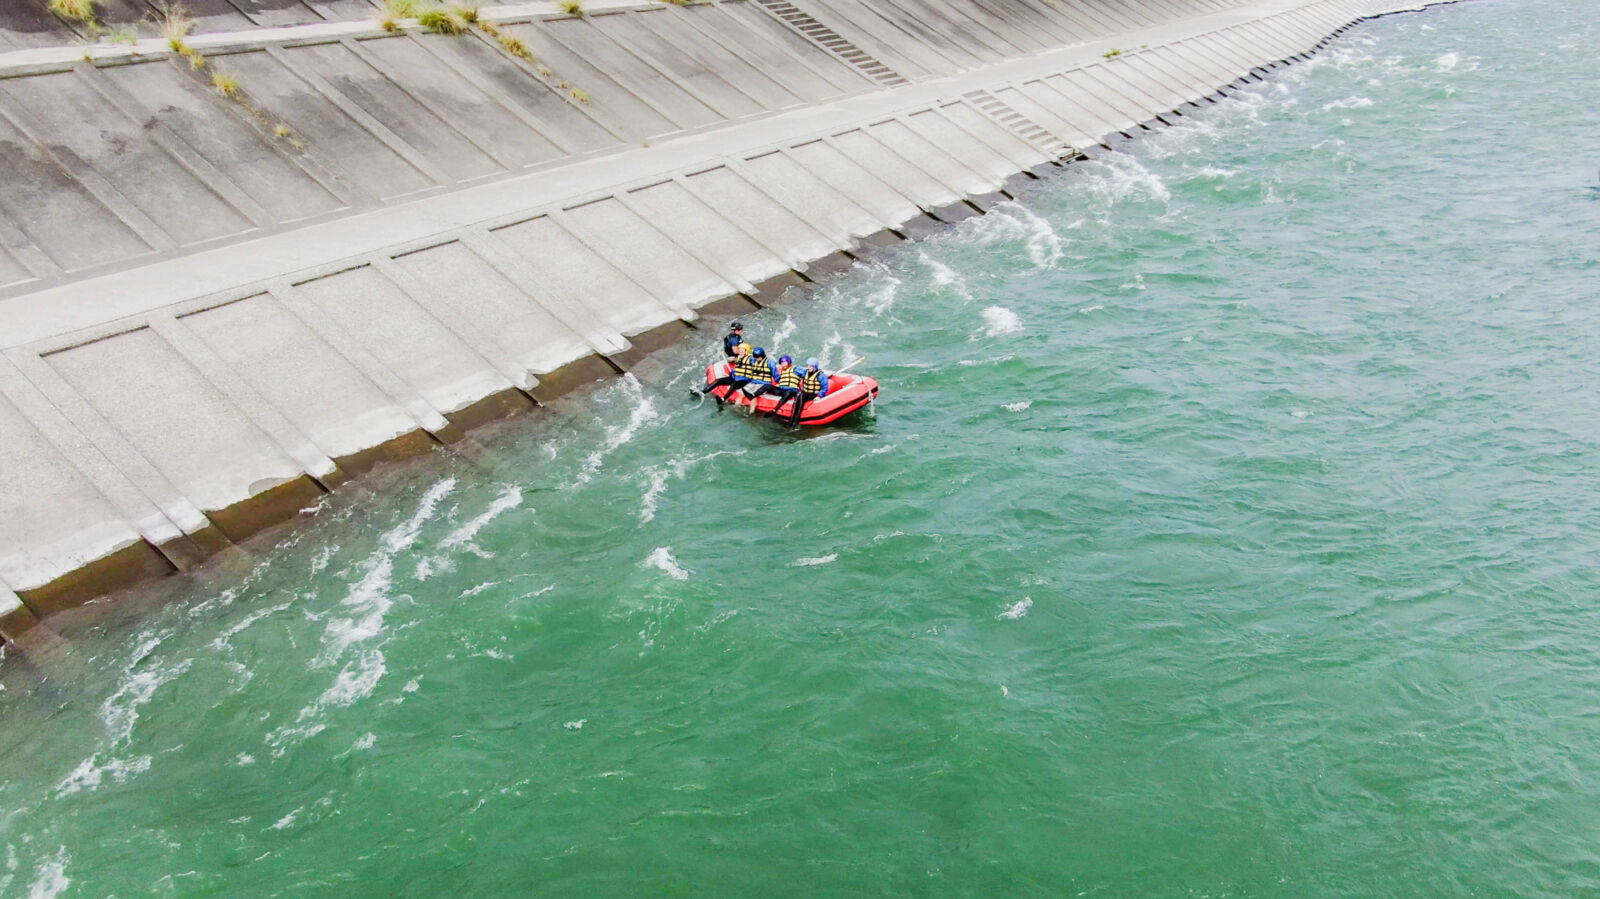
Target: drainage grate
(830, 40)
(1019, 124)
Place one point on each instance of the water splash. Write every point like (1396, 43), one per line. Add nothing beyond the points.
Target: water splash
(662, 559)
(998, 321)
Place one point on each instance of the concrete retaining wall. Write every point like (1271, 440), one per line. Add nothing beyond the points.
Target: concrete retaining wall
(217, 308)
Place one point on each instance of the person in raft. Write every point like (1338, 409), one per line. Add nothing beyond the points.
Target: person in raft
(785, 383)
(731, 343)
(813, 385)
(750, 366)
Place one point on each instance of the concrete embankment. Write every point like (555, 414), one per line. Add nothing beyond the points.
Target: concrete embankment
(232, 278)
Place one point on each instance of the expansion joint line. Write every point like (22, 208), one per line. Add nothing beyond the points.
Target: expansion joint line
(832, 41)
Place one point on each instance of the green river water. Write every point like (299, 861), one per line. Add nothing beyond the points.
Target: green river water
(1228, 526)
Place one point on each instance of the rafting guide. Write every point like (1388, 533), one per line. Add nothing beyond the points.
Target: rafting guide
(748, 378)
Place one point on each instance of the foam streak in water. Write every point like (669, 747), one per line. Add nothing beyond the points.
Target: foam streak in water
(643, 412)
(662, 558)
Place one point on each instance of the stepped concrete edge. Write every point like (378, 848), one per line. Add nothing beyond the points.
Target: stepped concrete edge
(159, 407)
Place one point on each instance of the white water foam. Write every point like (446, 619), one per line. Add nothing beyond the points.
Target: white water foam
(1017, 609)
(1012, 221)
(576, 725)
(90, 774)
(323, 557)
(1123, 177)
(121, 709)
(1088, 309)
(367, 604)
(509, 499)
(1021, 406)
(819, 560)
(51, 878)
(783, 332)
(656, 480)
(474, 591)
(662, 558)
(945, 276)
(1348, 103)
(882, 297)
(643, 412)
(998, 320)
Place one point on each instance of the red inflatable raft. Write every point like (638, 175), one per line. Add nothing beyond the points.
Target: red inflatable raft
(846, 394)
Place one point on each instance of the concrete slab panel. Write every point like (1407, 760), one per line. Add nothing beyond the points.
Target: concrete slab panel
(921, 152)
(737, 199)
(775, 62)
(307, 381)
(1120, 115)
(271, 13)
(515, 83)
(385, 101)
(574, 274)
(1169, 92)
(12, 271)
(874, 195)
(700, 68)
(891, 168)
(469, 111)
(966, 44)
(174, 418)
(169, 97)
(528, 332)
(731, 251)
(844, 77)
(79, 122)
(403, 337)
(812, 198)
(646, 254)
(587, 37)
(52, 520)
(618, 109)
(357, 156)
(57, 213)
(1114, 91)
(971, 152)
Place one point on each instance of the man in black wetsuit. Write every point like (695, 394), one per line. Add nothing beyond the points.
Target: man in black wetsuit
(730, 344)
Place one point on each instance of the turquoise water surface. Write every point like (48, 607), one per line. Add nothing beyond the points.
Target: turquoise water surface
(1228, 526)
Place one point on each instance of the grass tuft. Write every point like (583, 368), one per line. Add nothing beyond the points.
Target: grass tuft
(226, 84)
(468, 11)
(76, 10)
(514, 45)
(280, 130)
(175, 25)
(442, 21)
(1110, 53)
(579, 94)
(544, 70)
(572, 7)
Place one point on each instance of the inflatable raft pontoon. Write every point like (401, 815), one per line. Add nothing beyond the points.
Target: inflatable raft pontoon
(846, 394)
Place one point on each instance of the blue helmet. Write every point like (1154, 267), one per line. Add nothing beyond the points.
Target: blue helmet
(759, 352)
(785, 360)
(812, 362)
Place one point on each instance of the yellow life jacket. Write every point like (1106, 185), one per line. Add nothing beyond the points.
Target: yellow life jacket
(789, 377)
(752, 368)
(811, 381)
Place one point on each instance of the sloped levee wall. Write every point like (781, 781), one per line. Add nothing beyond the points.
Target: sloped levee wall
(216, 305)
